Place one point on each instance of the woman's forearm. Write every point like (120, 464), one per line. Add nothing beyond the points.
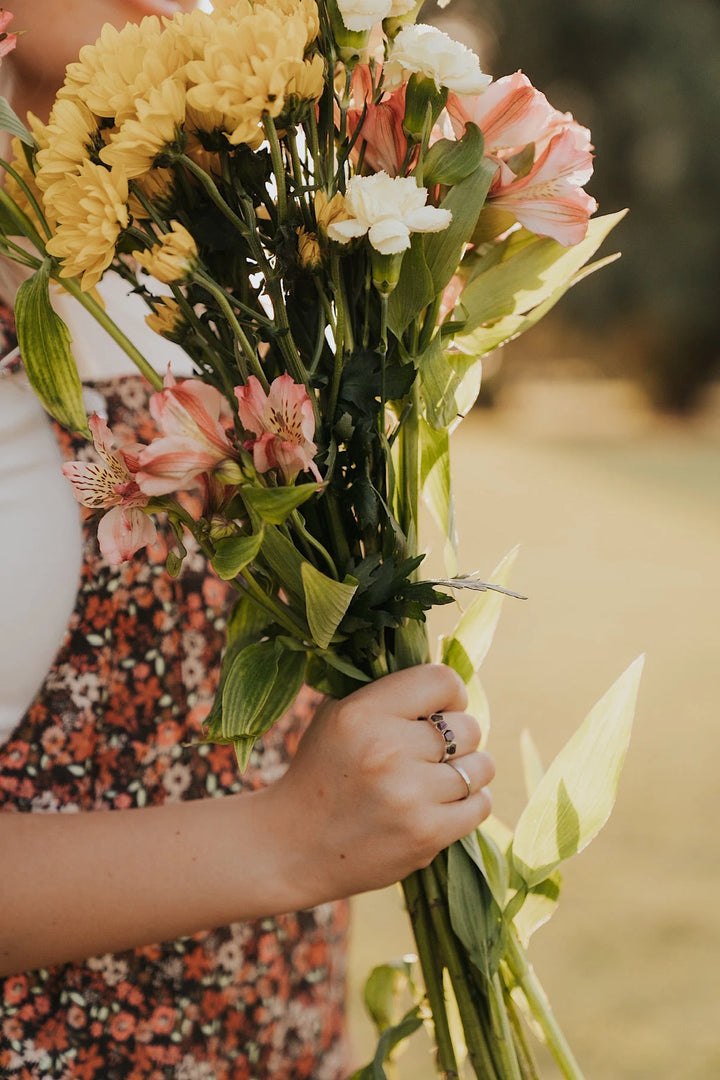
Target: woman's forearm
(74, 885)
(366, 801)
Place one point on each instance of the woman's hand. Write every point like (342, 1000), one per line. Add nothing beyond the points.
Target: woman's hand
(367, 798)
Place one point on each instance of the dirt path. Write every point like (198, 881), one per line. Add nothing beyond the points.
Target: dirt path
(620, 555)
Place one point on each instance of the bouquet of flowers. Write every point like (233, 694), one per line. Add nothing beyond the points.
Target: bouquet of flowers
(336, 214)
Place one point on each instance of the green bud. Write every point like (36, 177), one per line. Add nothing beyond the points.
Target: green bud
(422, 100)
(350, 43)
(386, 271)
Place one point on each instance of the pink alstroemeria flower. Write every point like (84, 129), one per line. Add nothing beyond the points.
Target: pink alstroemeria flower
(550, 201)
(382, 141)
(283, 424)
(7, 41)
(512, 114)
(125, 528)
(194, 440)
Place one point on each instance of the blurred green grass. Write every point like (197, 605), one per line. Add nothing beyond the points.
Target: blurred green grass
(620, 542)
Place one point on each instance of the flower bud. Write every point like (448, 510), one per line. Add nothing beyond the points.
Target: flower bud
(423, 97)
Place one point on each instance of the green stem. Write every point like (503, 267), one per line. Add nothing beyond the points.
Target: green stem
(473, 1025)
(98, 313)
(340, 331)
(504, 1043)
(527, 1065)
(537, 999)
(299, 526)
(432, 972)
(212, 190)
(248, 351)
(278, 167)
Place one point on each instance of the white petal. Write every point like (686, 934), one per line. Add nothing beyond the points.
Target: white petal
(345, 231)
(389, 237)
(428, 219)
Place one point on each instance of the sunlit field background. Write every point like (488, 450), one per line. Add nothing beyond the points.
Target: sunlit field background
(618, 514)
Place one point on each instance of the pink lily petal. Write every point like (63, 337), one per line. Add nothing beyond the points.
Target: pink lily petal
(192, 409)
(171, 463)
(123, 531)
(549, 200)
(510, 113)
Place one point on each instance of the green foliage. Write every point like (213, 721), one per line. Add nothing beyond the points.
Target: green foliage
(45, 345)
(574, 798)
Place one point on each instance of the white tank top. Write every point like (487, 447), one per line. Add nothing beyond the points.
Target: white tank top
(40, 532)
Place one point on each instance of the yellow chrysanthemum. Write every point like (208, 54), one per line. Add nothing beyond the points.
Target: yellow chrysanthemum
(309, 251)
(247, 73)
(329, 211)
(307, 10)
(173, 257)
(157, 187)
(104, 76)
(91, 209)
(137, 143)
(68, 143)
(167, 319)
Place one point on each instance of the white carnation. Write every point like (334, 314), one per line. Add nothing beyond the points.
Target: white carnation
(359, 15)
(388, 209)
(425, 50)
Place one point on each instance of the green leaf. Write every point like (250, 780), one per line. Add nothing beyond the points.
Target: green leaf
(436, 485)
(382, 993)
(485, 339)
(475, 915)
(473, 635)
(233, 553)
(415, 288)
(531, 271)
(533, 770)
(11, 122)
(576, 795)
(274, 505)
(443, 250)
(326, 602)
(449, 161)
(285, 561)
(44, 342)
(261, 685)
(389, 1040)
(442, 374)
(538, 906)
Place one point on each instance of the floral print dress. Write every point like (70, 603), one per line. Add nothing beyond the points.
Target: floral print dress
(129, 688)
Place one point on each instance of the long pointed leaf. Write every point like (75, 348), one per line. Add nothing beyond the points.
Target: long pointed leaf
(576, 795)
(472, 637)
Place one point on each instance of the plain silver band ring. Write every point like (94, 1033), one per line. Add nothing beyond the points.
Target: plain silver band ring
(461, 772)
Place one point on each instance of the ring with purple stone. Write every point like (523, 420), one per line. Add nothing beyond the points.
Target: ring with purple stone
(448, 735)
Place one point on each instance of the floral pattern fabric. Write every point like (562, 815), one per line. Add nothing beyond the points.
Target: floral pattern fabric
(109, 729)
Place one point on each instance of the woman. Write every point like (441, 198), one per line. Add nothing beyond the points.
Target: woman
(204, 862)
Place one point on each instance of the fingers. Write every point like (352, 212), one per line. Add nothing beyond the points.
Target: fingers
(416, 691)
(462, 777)
(449, 735)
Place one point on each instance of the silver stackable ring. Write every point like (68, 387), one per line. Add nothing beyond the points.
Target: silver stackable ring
(461, 772)
(448, 735)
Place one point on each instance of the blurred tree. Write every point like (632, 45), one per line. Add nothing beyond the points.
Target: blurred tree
(645, 78)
